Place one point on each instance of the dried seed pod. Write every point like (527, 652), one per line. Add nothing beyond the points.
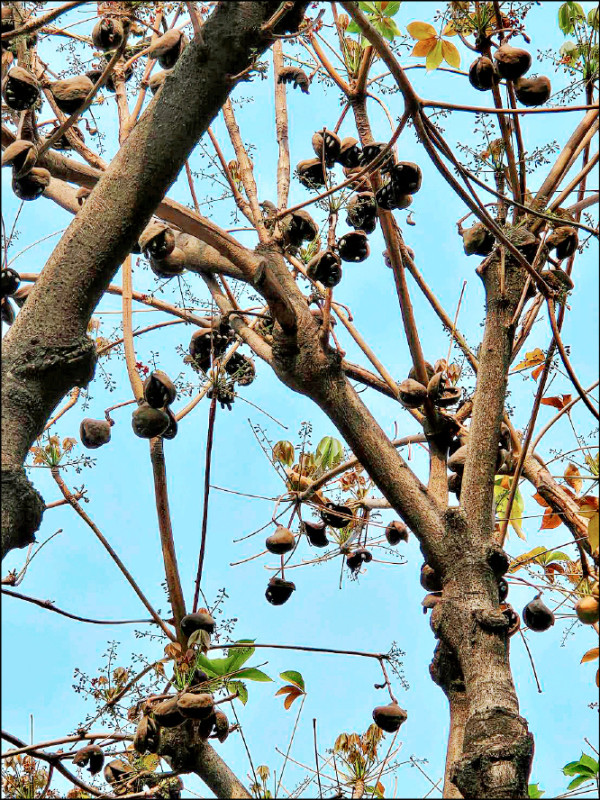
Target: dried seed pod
(326, 268)
(148, 422)
(430, 601)
(10, 281)
(69, 94)
(429, 371)
(389, 198)
(107, 33)
(412, 393)
(20, 89)
(512, 62)
(63, 143)
(533, 91)
(316, 533)
(502, 589)
(159, 389)
(458, 459)
(295, 76)
(168, 47)
(91, 757)
(514, 621)
(241, 368)
(147, 736)
(354, 246)
(170, 266)
(455, 483)
(436, 386)
(355, 560)
(362, 211)
(396, 532)
(482, 74)
(116, 770)
(221, 726)
(82, 194)
(280, 542)
(167, 714)
(537, 616)
(157, 240)
(430, 580)
(478, 240)
(199, 621)
(588, 610)
(406, 177)
(298, 227)
(32, 185)
(204, 342)
(94, 432)
(157, 80)
(311, 173)
(21, 155)
(171, 431)
(7, 312)
(389, 718)
(196, 706)
(331, 142)
(350, 154)
(565, 240)
(337, 516)
(279, 591)
(225, 395)
(370, 153)
(205, 726)
(449, 397)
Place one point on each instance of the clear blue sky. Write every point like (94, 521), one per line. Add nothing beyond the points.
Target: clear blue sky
(41, 649)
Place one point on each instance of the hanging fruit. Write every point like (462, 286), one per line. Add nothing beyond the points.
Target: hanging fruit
(396, 532)
(330, 143)
(311, 173)
(512, 62)
(537, 616)
(362, 212)
(564, 240)
(353, 246)
(21, 155)
(483, 74)
(20, 89)
(370, 153)
(389, 718)
(412, 393)
(326, 268)
(157, 240)
(316, 533)
(32, 185)
(279, 591)
(195, 706)
(107, 33)
(168, 47)
(159, 389)
(201, 620)
(478, 240)
(337, 516)
(94, 433)
(533, 91)
(148, 422)
(298, 227)
(280, 542)
(69, 94)
(350, 154)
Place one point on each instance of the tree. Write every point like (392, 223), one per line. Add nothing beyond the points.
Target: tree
(528, 243)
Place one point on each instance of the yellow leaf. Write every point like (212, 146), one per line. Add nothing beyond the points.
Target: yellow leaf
(532, 359)
(592, 533)
(423, 47)
(591, 655)
(421, 30)
(434, 58)
(451, 54)
(449, 30)
(572, 478)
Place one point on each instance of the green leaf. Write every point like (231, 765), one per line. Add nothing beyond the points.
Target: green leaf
(580, 767)
(370, 8)
(352, 27)
(391, 9)
(592, 18)
(253, 674)
(578, 781)
(593, 464)
(236, 656)
(238, 686)
(556, 555)
(293, 677)
(564, 19)
(329, 452)
(434, 57)
(589, 762)
(533, 790)
(214, 667)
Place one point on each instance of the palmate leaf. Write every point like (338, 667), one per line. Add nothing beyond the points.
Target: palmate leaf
(253, 674)
(293, 677)
(237, 656)
(329, 453)
(240, 688)
(434, 57)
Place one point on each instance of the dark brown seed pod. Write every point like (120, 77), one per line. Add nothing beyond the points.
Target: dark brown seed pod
(478, 240)
(8, 23)
(20, 89)
(537, 616)
(512, 62)
(412, 393)
(7, 312)
(362, 211)
(148, 422)
(298, 227)
(199, 621)
(406, 177)
(337, 516)
(533, 91)
(514, 620)
(565, 240)
(279, 591)
(206, 726)
(107, 33)
(32, 185)
(280, 542)
(21, 155)
(221, 726)
(294, 76)
(167, 714)
(94, 432)
(171, 431)
(116, 770)
(69, 94)
(157, 240)
(197, 677)
(389, 198)
(241, 368)
(10, 281)
(354, 246)
(429, 371)
(168, 47)
(63, 143)
(449, 397)
(159, 389)
(389, 718)
(196, 706)
(204, 342)
(332, 144)
(430, 580)
(458, 459)
(157, 80)
(316, 533)
(455, 483)
(350, 154)
(311, 173)
(91, 757)
(560, 281)
(370, 153)
(502, 589)
(483, 74)
(147, 736)
(170, 266)
(396, 532)
(355, 560)
(326, 268)
(436, 386)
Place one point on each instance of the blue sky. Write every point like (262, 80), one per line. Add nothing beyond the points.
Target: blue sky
(383, 606)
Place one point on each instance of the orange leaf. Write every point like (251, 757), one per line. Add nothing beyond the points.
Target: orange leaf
(540, 500)
(286, 690)
(537, 372)
(532, 359)
(449, 30)
(591, 655)
(291, 697)
(423, 47)
(451, 54)
(550, 520)
(572, 477)
(598, 677)
(557, 402)
(588, 505)
(421, 30)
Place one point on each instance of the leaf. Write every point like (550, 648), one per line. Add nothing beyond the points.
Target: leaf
(293, 677)
(253, 674)
(291, 697)
(214, 667)
(150, 762)
(531, 556)
(517, 513)
(550, 520)
(449, 30)
(390, 9)
(421, 30)
(557, 402)
(352, 27)
(539, 499)
(284, 453)
(591, 655)
(592, 532)
(236, 656)
(285, 690)
(593, 464)
(329, 452)
(434, 58)
(451, 54)
(240, 688)
(537, 372)
(370, 8)
(532, 359)
(422, 48)
(388, 28)
(533, 790)
(572, 477)
(588, 505)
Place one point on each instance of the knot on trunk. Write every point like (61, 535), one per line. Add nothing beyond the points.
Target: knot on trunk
(445, 670)
(22, 509)
(61, 365)
(491, 619)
